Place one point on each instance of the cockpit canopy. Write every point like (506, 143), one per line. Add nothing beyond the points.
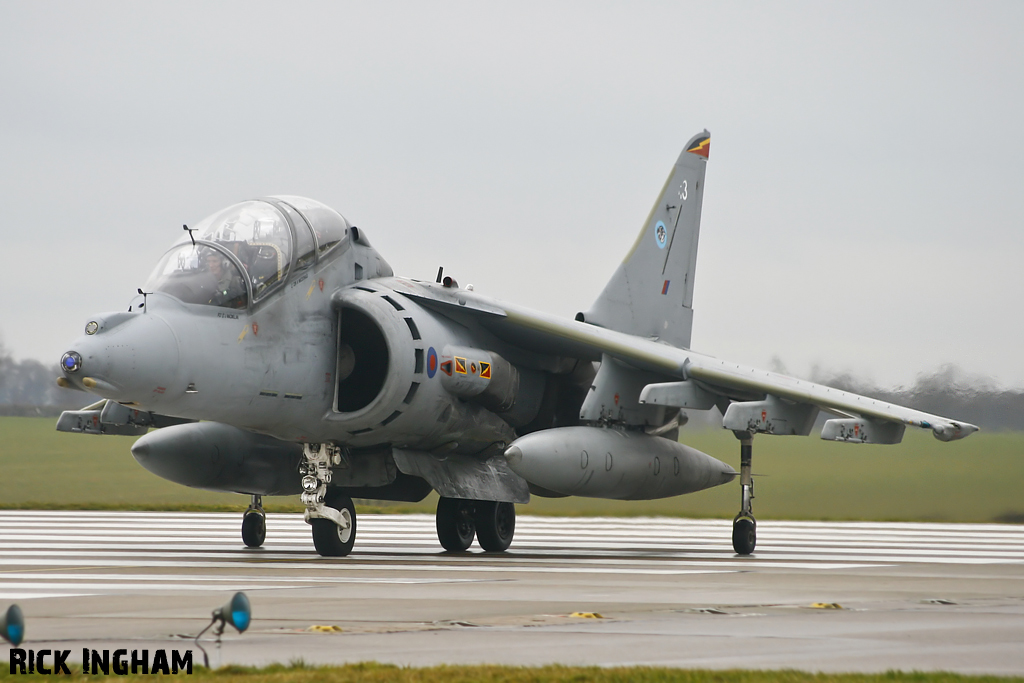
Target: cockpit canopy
(242, 253)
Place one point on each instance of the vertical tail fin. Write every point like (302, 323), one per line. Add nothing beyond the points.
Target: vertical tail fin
(651, 292)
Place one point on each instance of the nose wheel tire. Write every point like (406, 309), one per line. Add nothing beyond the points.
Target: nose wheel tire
(254, 529)
(744, 535)
(455, 523)
(495, 525)
(329, 539)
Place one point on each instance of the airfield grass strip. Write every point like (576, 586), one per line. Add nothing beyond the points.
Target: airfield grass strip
(922, 480)
(372, 672)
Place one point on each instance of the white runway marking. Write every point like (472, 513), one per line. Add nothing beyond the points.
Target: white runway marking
(71, 553)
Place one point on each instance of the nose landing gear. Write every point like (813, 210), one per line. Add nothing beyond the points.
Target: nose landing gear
(329, 512)
(744, 526)
(254, 523)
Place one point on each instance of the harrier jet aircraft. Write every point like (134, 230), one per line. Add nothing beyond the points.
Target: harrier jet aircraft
(275, 352)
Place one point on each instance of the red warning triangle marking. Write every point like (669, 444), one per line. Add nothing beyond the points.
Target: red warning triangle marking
(446, 368)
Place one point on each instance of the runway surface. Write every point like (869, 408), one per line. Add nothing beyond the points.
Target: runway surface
(671, 592)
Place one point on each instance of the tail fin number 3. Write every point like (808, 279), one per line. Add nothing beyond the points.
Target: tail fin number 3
(682, 191)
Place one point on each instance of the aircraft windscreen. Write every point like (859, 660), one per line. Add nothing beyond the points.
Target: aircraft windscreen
(199, 275)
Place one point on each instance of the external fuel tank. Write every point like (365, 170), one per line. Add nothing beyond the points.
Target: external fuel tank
(614, 463)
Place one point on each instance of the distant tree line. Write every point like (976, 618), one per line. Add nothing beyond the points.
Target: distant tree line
(29, 387)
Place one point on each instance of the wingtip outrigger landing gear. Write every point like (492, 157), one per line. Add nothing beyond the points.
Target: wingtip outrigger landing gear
(329, 512)
(744, 526)
(254, 523)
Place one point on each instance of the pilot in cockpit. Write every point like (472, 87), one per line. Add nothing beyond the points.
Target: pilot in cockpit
(228, 284)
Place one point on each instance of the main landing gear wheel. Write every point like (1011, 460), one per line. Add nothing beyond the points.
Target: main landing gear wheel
(455, 523)
(744, 526)
(254, 524)
(495, 525)
(329, 539)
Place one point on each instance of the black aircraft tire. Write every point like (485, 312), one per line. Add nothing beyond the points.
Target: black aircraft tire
(495, 525)
(744, 535)
(254, 529)
(329, 539)
(455, 527)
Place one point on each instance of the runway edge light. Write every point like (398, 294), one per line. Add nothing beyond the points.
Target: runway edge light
(236, 612)
(12, 626)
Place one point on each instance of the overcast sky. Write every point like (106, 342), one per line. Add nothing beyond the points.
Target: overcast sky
(863, 209)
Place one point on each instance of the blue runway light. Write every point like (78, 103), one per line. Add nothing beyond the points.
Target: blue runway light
(239, 611)
(240, 620)
(12, 626)
(236, 612)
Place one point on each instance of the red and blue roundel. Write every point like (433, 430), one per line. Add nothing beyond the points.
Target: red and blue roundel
(431, 362)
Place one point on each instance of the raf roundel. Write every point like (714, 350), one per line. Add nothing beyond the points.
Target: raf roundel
(660, 234)
(431, 362)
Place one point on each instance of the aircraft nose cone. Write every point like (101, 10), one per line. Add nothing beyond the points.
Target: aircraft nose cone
(127, 362)
(514, 456)
(726, 473)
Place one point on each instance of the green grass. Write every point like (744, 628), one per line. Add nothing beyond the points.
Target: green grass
(385, 673)
(973, 480)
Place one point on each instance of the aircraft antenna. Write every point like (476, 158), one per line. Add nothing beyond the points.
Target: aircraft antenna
(440, 272)
(189, 231)
(144, 295)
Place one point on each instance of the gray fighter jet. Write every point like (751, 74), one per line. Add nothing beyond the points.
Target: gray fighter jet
(275, 352)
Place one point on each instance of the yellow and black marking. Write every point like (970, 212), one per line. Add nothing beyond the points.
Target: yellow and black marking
(701, 146)
(268, 393)
(460, 365)
(485, 370)
(295, 396)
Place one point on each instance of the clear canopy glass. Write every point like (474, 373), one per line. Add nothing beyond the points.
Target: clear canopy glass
(258, 237)
(258, 234)
(199, 274)
(330, 227)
